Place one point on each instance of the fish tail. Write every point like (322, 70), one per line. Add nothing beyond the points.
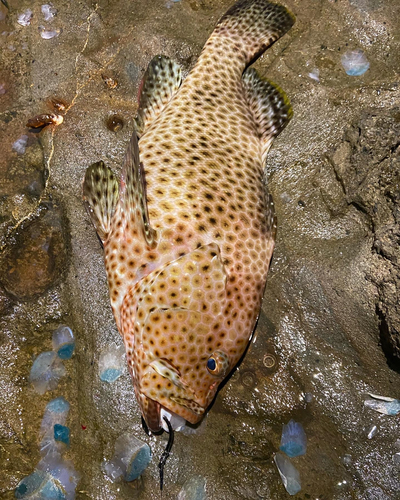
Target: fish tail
(254, 25)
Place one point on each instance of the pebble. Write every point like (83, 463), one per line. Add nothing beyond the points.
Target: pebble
(46, 371)
(372, 431)
(25, 18)
(112, 363)
(289, 474)
(19, 146)
(308, 397)
(355, 62)
(293, 440)
(63, 342)
(193, 489)
(131, 458)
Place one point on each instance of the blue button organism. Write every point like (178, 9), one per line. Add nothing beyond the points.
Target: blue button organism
(293, 440)
(63, 342)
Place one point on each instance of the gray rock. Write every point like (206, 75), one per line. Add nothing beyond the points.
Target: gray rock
(367, 164)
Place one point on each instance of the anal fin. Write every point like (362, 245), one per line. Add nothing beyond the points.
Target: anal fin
(270, 107)
(100, 194)
(160, 82)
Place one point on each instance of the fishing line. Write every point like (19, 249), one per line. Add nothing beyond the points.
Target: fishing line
(167, 451)
(145, 428)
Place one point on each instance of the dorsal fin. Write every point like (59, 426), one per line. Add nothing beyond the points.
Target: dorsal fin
(160, 82)
(100, 194)
(270, 107)
(133, 194)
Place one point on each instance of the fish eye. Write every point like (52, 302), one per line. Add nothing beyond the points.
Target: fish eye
(218, 363)
(211, 364)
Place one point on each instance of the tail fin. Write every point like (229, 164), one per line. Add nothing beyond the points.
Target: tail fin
(255, 25)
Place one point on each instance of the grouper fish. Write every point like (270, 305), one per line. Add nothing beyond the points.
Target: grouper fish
(188, 232)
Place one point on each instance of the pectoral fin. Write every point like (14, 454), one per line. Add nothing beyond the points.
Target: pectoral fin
(100, 194)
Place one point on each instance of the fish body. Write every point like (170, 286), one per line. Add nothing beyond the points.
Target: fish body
(189, 232)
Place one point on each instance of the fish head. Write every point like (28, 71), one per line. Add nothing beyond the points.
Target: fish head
(183, 367)
(181, 343)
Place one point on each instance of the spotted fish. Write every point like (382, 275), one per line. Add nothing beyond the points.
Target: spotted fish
(188, 232)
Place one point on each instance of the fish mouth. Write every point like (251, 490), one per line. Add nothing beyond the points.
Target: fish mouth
(162, 385)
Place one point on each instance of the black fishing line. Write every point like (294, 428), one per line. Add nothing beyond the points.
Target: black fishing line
(145, 428)
(167, 451)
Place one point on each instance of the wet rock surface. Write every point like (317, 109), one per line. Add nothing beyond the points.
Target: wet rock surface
(367, 165)
(329, 325)
(36, 258)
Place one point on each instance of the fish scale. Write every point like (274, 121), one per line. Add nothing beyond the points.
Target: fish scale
(189, 236)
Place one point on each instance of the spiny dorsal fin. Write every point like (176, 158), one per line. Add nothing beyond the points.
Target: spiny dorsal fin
(100, 194)
(160, 82)
(133, 193)
(270, 107)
